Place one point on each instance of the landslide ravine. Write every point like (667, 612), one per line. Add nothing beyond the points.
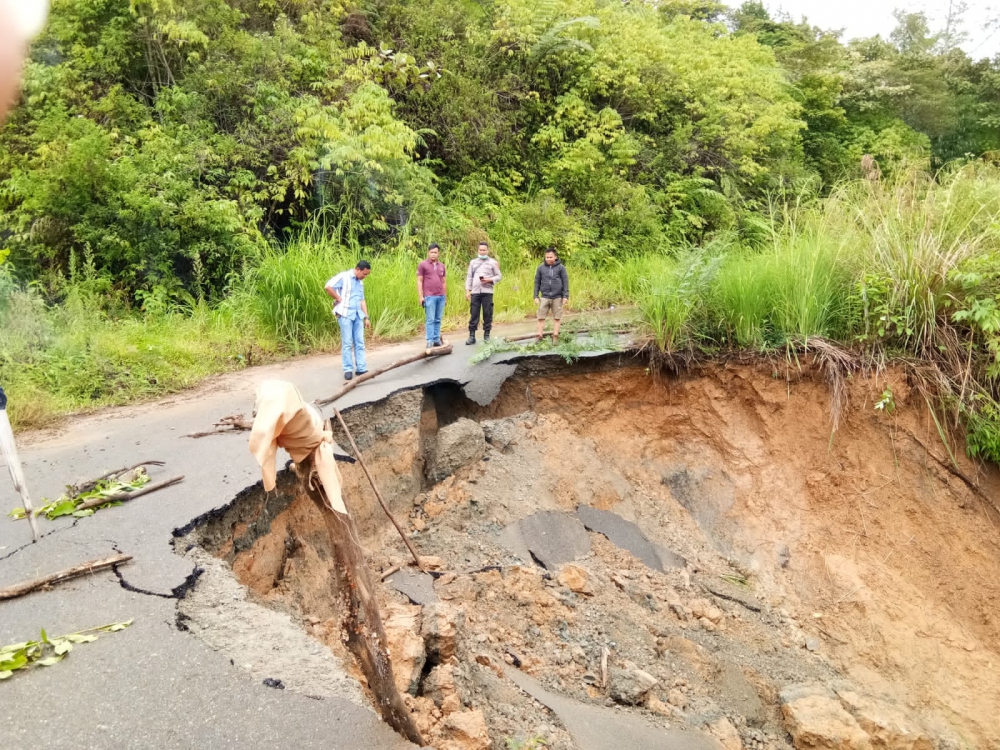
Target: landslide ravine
(819, 587)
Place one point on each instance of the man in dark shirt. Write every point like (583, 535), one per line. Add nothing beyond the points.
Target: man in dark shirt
(433, 292)
(551, 292)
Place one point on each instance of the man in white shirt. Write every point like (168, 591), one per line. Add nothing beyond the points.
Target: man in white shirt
(348, 291)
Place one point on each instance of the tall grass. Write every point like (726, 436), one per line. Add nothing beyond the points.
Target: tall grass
(57, 359)
(283, 297)
(910, 267)
(872, 264)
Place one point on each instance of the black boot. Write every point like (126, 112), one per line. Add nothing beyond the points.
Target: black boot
(472, 339)
(486, 338)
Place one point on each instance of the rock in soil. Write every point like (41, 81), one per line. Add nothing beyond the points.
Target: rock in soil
(818, 722)
(630, 686)
(457, 445)
(576, 579)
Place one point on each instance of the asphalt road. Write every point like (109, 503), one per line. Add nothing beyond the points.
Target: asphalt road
(153, 685)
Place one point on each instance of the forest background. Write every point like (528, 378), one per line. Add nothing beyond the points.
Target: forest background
(181, 177)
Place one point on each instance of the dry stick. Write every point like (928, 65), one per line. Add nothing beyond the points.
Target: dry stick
(232, 423)
(362, 632)
(391, 571)
(121, 496)
(371, 481)
(79, 489)
(26, 587)
(230, 430)
(350, 385)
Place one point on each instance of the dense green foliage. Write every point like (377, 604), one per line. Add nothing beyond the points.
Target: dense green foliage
(182, 175)
(162, 144)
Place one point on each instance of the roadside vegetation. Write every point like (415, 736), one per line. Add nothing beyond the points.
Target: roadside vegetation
(182, 177)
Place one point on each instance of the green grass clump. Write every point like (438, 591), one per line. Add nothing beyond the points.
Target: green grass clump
(73, 356)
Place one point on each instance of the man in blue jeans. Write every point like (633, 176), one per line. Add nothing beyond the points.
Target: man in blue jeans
(348, 292)
(433, 292)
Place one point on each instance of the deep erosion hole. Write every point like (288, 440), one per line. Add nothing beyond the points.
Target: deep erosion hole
(854, 567)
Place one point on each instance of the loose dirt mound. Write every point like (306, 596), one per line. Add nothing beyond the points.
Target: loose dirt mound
(855, 562)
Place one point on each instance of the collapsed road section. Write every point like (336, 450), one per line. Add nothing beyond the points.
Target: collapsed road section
(623, 560)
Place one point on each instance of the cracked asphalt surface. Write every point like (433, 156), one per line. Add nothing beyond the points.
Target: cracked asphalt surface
(153, 685)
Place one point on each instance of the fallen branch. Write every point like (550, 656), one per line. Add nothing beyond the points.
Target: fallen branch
(350, 385)
(530, 336)
(232, 423)
(378, 495)
(363, 632)
(122, 496)
(582, 331)
(79, 489)
(26, 587)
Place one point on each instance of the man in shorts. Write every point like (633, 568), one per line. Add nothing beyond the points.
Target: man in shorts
(551, 292)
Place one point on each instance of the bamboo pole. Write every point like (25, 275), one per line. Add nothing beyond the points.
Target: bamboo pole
(362, 628)
(378, 495)
(26, 587)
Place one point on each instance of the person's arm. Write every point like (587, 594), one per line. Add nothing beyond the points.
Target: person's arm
(538, 284)
(364, 309)
(420, 285)
(332, 290)
(468, 281)
(496, 265)
(565, 282)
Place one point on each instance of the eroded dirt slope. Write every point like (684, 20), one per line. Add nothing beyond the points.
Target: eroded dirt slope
(858, 563)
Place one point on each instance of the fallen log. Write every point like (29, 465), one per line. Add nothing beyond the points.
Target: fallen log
(378, 495)
(27, 587)
(350, 385)
(363, 632)
(122, 496)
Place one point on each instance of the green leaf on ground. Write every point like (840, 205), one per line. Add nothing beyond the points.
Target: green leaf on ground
(45, 652)
(67, 505)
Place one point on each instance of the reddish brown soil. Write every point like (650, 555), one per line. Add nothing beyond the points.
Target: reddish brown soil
(862, 540)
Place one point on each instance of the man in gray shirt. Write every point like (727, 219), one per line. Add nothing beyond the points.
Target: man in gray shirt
(483, 273)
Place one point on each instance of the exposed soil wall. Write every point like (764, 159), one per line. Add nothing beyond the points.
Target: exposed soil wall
(854, 560)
